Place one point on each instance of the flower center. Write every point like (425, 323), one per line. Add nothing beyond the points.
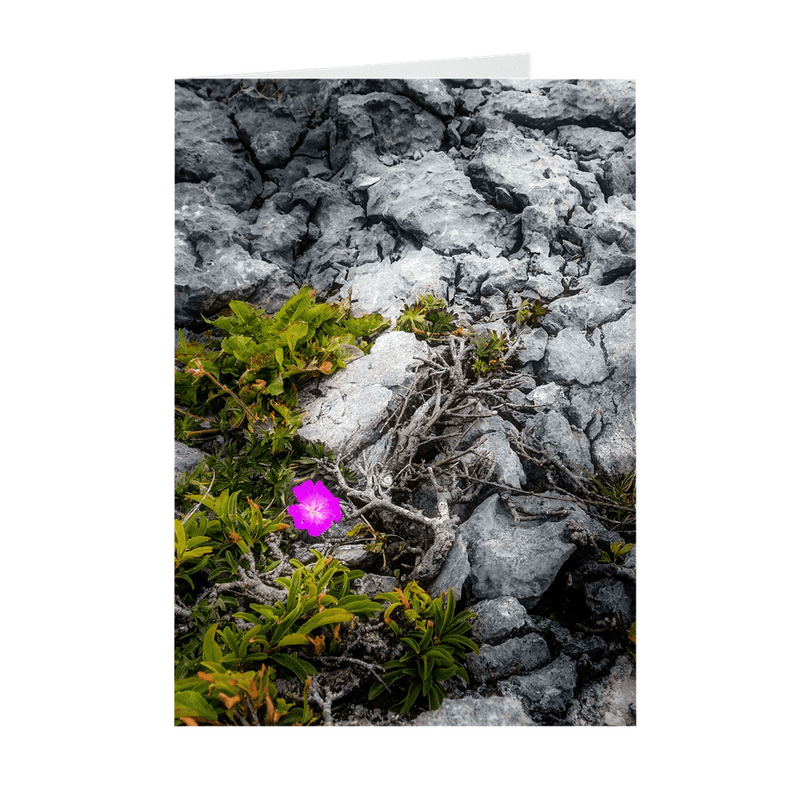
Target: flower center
(313, 508)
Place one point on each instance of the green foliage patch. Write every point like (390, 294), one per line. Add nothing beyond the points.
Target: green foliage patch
(241, 382)
(436, 644)
(249, 378)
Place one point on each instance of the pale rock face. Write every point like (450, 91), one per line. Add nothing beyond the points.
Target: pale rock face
(354, 401)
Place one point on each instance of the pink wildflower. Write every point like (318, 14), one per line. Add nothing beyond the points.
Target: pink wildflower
(317, 508)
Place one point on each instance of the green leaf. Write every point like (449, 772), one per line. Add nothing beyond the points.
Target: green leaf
(326, 617)
(297, 666)
(409, 642)
(275, 386)
(435, 697)
(294, 586)
(293, 639)
(240, 347)
(197, 552)
(193, 704)
(444, 673)
(450, 610)
(460, 642)
(211, 650)
(411, 697)
(427, 675)
(284, 625)
(375, 690)
(359, 604)
(427, 638)
(247, 617)
(180, 539)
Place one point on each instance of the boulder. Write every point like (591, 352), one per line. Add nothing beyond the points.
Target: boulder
(435, 204)
(593, 306)
(498, 619)
(186, 458)
(347, 409)
(591, 143)
(608, 104)
(518, 656)
(382, 123)
(610, 242)
(574, 357)
(538, 180)
(266, 126)
(503, 558)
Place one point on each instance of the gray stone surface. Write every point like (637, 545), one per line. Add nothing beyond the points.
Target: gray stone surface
(572, 357)
(186, 458)
(498, 619)
(477, 711)
(377, 290)
(504, 558)
(609, 701)
(351, 402)
(512, 657)
(548, 690)
(435, 203)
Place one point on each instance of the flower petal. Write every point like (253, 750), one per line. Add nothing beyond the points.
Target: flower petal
(304, 491)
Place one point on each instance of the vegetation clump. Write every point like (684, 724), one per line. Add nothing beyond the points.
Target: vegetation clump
(254, 625)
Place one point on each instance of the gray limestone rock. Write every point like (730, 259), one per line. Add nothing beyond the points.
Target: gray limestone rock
(428, 93)
(372, 584)
(219, 276)
(610, 242)
(549, 397)
(607, 598)
(619, 172)
(384, 287)
(512, 657)
(484, 711)
(208, 150)
(591, 143)
(572, 358)
(592, 307)
(504, 558)
(267, 126)
(531, 173)
(476, 274)
(498, 619)
(533, 345)
(433, 202)
(383, 123)
(336, 218)
(550, 430)
(608, 701)
(549, 690)
(186, 458)
(594, 103)
(355, 400)
(277, 235)
(493, 449)
(545, 287)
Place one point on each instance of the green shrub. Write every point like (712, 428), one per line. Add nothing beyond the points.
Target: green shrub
(435, 643)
